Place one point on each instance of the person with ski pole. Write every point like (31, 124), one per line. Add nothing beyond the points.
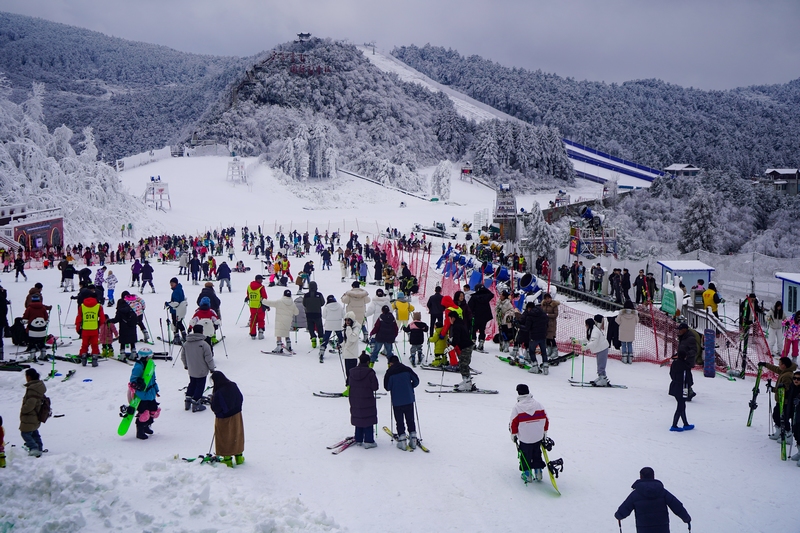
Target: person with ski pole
(650, 502)
(226, 403)
(363, 403)
(401, 381)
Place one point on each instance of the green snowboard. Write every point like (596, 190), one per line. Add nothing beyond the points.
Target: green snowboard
(129, 412)
(513, 362)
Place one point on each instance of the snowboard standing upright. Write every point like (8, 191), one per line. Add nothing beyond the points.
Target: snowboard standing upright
(128, 412)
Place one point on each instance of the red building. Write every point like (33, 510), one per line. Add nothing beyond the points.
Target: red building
(30, 230)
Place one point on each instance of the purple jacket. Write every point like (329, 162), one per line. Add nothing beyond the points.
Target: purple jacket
(363, 408)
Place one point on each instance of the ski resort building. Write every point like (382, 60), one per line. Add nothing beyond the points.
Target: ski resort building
(678, 170)
(505, 213)
(784, 180)
(30, 230)
(790, 290)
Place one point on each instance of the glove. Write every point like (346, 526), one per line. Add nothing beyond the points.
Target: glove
(166, 304)
(514, 438)
(762, 364)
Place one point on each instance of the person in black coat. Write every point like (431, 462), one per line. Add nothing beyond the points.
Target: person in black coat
(313, 302)
(481, 307)
(435, 307)
(651, 501)
(208, 291)
(4, 302)
(626, 284)
(687, 351)
(536, 322)
(128, 321)
(677, 374)
(224, 276)
(363, 404)
(226, 403)
(401, 381)
(85, 276)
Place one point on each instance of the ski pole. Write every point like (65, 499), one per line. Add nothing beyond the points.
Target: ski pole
(341, 362)
(212, 443)
(60, 332)
(240, 313)
(67, 313)
(223, 341)
(419, 431)
(149, 332)
(583, 362)
(175, 360)
(161, 327)
(620, 525)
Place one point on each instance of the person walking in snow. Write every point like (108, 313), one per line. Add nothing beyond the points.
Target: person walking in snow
(400, 381)
(29, 413)
(678, 385)
(416, 337)
(177, 306)
(333, 319)
(650, 501)
(226, 402)
(313, 301)
(147, 276)
(363, 402)
(528, 427)
(627, 320)
(198, 360)
(285, 311)
(136, 269)
(384, 333)
(19, 267)
(224, 275)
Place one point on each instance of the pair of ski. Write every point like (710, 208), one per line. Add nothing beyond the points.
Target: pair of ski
(449, 368)
(408, 448)
(66, 378)
(323, 394)
(284, 352)
(453, 389)
(206, 459)
(590, 384)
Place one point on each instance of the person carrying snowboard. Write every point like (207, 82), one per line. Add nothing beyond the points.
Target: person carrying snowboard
(528, 427)
(148, 409)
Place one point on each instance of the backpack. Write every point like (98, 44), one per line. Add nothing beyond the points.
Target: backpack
(45, 410)
(19, 336)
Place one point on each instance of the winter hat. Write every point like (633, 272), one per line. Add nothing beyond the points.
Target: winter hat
(523, 389)
(355, 284)
(287, 292)
(351, 315)
(208, 284)
(144, 353)
(647, 473)
(401, 295)
(197, 328)
(259, 277)
(331, 298)
(682, 326)
(174, 280)
(205, 301)
(417, 315)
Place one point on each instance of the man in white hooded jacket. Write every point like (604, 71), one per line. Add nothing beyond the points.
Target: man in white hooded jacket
(528, 427)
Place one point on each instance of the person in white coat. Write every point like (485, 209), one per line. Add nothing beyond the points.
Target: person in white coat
(528, 427)
(285, 311)
(332, 321)
(356, 300)
(775, 318)
(597, 344)
(350, 347)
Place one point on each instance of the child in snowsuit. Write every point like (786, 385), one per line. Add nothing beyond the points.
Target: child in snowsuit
(111, 282)
(439, 344)
(106, 335)
(401, 381)
(416, 337)
(528, 429)
(148, 409)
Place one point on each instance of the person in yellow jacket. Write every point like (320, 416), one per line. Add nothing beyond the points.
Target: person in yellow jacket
(439, 344)
(402, 309)
(87, 324)
(711, 299)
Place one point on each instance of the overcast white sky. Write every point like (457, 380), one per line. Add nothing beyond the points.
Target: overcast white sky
(710, 44)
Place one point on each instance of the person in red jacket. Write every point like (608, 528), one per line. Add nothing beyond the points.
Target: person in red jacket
(255, 293)
(449, 305)
(87, 323)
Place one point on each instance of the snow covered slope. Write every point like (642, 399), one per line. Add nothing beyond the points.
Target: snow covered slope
(93, 480)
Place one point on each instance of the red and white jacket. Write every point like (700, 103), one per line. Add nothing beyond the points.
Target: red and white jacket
(528, 420)
(206, 318)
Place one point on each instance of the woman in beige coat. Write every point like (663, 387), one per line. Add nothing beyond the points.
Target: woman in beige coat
(285, 311)
(627, 320)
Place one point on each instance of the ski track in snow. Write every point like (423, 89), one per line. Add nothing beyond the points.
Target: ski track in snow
(94, 480)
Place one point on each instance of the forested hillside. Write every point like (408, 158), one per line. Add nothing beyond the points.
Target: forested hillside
(136, 96)
(310, 106)
(741, 132)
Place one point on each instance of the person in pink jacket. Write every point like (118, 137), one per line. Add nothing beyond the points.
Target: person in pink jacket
(792, 335)
(106, 336)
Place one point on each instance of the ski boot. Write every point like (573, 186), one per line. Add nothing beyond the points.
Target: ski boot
(534, 369)
(538, 474)
(197, 406)
(412, 440)
(94, 360)
(321, 354)
(227, 461)
(545, 368)
(346, 392)
(42, 354)
(289, 345)
(313, 342)
(83, 357)
(465, 385)
(146, 337)
(373, 444)
(601, 381)
(480, 346)
(437, 361)
(261, 334)
(402, 443)
(278, 348)
(239, 459)
(526, 476)
(187, 403)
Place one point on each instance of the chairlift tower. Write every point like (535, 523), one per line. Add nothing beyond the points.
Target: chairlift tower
(237, 173)
(157, 193)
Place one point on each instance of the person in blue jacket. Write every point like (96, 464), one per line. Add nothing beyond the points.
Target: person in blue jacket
(224, 276)
(148, 409)
(401, 381)
(650, 500)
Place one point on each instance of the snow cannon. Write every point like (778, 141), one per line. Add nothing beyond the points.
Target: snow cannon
(441, 260)
(476, 278)
(470, 263)
(595, 221)
(488, 269)
(462, 260)
(503, 274)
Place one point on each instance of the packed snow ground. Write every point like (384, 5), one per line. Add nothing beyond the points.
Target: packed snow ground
(94, 480)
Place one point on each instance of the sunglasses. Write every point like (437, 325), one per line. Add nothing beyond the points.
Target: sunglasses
(795, 379)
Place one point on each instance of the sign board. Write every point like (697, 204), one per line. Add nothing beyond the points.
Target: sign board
(668, 304)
